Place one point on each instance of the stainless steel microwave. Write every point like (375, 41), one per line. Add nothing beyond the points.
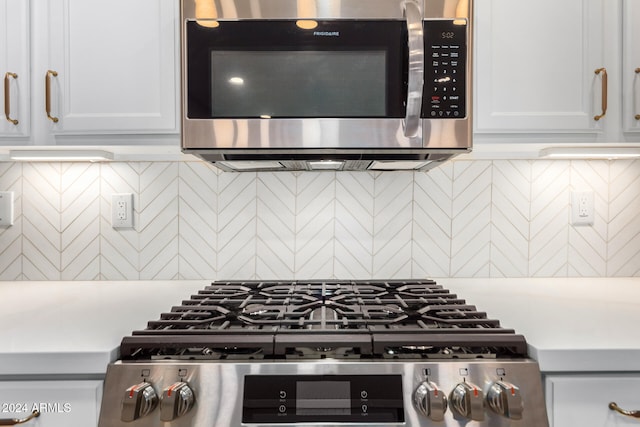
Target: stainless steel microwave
(326, 84)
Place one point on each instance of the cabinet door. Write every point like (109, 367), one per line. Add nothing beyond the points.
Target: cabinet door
(535, 63)
(116, 65)
(583, 400)
(631, 66)
(61, 403)
(14, 59)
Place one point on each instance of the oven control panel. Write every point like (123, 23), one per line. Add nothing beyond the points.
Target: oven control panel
(322, 398)
(331, 393)
(445, 69)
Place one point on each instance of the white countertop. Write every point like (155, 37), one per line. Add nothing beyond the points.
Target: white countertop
(571, 325)
(66, 328)
(76, 327)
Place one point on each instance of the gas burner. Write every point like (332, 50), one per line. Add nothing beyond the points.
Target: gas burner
(323, 319)
(433, 352)
(206, 353)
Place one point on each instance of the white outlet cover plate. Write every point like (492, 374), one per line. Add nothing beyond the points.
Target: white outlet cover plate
(6, 208)
(122, 210)
(582, 201)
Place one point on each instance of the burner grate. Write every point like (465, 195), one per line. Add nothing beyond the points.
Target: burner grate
(318, 319)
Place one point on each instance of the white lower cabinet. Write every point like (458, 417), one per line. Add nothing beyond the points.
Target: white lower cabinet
(61, 403)
(583, 400)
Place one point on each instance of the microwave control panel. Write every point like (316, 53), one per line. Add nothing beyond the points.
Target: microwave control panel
(445, 71)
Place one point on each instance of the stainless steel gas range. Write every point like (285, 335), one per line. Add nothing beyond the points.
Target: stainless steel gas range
(323, 353)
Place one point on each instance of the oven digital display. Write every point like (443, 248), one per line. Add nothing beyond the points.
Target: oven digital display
(282, 399)
(323, 398)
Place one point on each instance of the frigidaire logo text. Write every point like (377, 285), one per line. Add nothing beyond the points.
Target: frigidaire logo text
(327, 33)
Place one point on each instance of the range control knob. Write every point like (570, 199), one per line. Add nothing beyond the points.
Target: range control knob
(139, 400)
(505, 399)
(177, 400)
(467, 400)
(430, 401)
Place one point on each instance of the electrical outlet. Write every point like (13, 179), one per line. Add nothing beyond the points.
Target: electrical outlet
(6, 208)
(582, 208)
(122, 210)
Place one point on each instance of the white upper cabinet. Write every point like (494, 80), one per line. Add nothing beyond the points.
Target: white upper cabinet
(535, 64)
(115, 63)
(14, 68)
(631, 66)
(540, 70)
(98, 68)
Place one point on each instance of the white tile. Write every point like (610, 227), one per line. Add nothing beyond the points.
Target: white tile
(11, 237)
(461, 219)
(198, 201)
(276, 224)
(80, 221)
(315, 224)
(119, 248)
(623, 247)
(431, 230)
(510, 218)
(471, 219)
(550, 195)
(157, 207)
(237, 224)
(354, 225)
(41, 225)
(392, 225)
(588, 244)
(119, 256)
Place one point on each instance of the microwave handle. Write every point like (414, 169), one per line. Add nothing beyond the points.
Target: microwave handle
(415, 82)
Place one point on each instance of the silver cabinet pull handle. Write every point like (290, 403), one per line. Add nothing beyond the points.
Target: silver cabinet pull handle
(605, 88)
(47, 95)
(7, 97)
(416, 68)
(637, 72)
(15, 421)
(614, 407)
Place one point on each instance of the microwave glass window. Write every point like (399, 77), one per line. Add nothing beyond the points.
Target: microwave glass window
(298, 83)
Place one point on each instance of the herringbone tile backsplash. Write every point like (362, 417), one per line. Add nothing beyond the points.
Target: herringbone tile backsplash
(462, 219)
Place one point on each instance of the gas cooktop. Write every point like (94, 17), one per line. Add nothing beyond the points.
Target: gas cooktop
(325, 353)
(320, 319)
